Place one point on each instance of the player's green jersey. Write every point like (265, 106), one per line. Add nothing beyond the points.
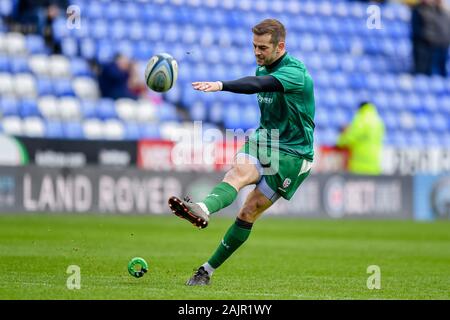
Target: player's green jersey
(291, 111)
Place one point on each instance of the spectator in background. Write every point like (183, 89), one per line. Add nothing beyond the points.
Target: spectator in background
(364, 140)
(136, 82)
(31, 15)
(430, 37)
(37, 16)
(114, 78)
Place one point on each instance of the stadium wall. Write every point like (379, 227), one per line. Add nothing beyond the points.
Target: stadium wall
(94, 189)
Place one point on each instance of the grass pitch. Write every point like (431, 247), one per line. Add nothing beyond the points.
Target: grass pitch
(283, 258)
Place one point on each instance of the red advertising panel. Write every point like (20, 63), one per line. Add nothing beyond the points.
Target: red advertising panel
(155, 154)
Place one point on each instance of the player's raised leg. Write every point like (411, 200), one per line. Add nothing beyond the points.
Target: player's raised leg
(255, 204)
(243, 173)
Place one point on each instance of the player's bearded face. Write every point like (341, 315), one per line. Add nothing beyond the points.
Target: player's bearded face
(265, 51)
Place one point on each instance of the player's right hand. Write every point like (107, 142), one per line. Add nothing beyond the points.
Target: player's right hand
(207, 86)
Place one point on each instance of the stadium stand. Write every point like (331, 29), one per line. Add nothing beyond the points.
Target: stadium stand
(43, 94)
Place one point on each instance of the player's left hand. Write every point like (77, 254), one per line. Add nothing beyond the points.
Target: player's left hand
(207, 86)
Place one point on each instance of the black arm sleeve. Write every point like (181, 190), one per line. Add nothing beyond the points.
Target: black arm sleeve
(253, 84)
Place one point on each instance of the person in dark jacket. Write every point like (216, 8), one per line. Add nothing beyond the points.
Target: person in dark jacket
(430, 37)
(113, 78)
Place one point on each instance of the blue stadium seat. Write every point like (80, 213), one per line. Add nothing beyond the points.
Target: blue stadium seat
(214, 56)
(339, 81)
(100, 28)
(166, 14)
(44, 86)
(132, 131)
(35, 44)
(7, 7)
(63, 87)
(198, 111)
(106, 109)
(80, 67)
(118, 30)
(105, 51)
(19, 64)
(150, 131)
(216, 112)
(348, 63)
(328, 137)
(430, 103)
(391, 120)
(324, 44)
(397, 101)
(218, 18)
(440, 123)
(250, 116)
(357, 81)
(174, 95)
(374, 81)
(130, 10)
(73, 130)
(9, 106)
(232, 117)
(389, 83)
(322, 80)
(341, 118)
(437, 84)
(59, 29)
(330, 62)
(432, 139)
(340, 44)
(331, 99)
(4, 63)
(54, 129)
(29, 108)
(142, 50)
(88, 48)
(307, 43)
(348, 100)
(399, 138)
(126, 48)
(421, 84)
(380, 65)
(413, 102)
(322, 118)
(445, 104)
(445, 139)
(423, 122)
(136, 31)
(155, 33)
(94, 10)
(148, 12)
(88, 109)
(416, 138)
(167, 112)
(113, 10)
(69, 46)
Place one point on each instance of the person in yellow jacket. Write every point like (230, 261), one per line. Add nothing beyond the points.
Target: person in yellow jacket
(364, 139)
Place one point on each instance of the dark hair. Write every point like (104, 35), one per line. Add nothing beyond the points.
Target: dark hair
(273, 27)
(363, 103)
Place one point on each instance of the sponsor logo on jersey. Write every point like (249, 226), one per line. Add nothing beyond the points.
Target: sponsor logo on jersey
(286, 183)
(262, 99)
